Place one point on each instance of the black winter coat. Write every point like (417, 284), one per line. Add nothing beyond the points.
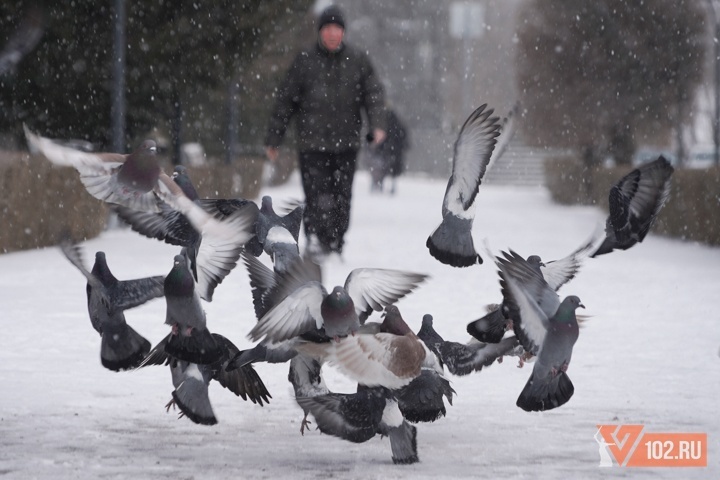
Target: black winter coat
(326, 92)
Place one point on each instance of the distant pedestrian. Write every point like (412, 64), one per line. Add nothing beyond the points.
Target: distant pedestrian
(388, 158)
(326, 88)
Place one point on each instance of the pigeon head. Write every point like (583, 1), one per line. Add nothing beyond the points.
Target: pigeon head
(181, 177)
(179, 282)
(394, 323)
(102, 271)
(338, 313)
(427, 321)
(535, 261)
(141, 169)
(266, 205)
(566, 310)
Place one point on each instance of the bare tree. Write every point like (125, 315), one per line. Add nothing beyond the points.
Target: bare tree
(604, 76)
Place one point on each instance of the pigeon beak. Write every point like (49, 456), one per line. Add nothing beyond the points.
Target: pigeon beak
(581, 305)
(542, 264)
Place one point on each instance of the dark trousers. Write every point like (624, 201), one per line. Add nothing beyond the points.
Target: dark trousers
(327, 179)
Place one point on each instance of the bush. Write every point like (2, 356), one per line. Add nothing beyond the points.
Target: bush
(39, 202)
(691, 213)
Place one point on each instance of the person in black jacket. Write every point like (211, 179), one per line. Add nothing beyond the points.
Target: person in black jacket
(325, 89)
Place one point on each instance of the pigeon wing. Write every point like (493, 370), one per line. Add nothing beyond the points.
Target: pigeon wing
(132, 293)
(375, 288)
(296, 314)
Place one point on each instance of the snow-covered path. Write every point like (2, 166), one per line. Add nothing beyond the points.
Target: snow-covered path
(648, 355)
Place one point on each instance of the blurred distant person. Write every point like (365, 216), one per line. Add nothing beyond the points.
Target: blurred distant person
(387, 159)
(326, 88)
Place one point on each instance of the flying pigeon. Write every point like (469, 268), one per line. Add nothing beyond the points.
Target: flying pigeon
(634, 203)
(121, 347)
(492, 327)
(211, 256)
(358, 417)
(463, 359)
(545, 326)
(306, 305)
(390, 358)
(190, 340)
(451, 243)
(279, 235)
(191, 381)
(135, 180)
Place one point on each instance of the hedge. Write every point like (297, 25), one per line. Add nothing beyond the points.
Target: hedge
(691, 213)
(39, 201)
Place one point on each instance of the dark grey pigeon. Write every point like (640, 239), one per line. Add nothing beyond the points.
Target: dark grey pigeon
(305, 305)
(492, 327)
(121, 347)
(190, 339)
(463, 359)
(634, 203)
(278, 235)
(422, 399)
(358, 417)
(191, 381)
(211, 256)
(546, 327)
(451, 243)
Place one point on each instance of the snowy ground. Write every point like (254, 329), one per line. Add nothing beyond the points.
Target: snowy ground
(649, 355)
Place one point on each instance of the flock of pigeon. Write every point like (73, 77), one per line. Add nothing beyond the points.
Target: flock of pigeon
(401, 375)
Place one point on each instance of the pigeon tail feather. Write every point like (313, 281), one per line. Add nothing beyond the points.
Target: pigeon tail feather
(490, 328)
(452, 244)
(403, 443)
(183, 402)
(124, 349)
(200, 347)
(542, 397)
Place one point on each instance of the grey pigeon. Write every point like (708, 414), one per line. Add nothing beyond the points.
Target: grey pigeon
(546, 327)
(463, 359)
(278, 235)
(305, 375)
(451, 243)
(191, 381)
(211, 256)
(634, 203)
(135, 181)
(422, 399)
(190, 339)
(358, 417)
(121, 347)
(306, 305)
(390, 358)
(492, 327)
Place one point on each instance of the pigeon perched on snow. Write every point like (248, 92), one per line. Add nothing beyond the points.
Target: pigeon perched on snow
(191, 381)
(634, 203)
(492, 327)
(211, 256)
(190, 339)
(463, 359)
(121, 347)
(546, 327)
(306, 305)
(451, 243)
(358, 417)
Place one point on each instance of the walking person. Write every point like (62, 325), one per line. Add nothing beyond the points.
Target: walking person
(325, 90)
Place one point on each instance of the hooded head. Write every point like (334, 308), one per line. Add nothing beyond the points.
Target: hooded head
(331, 14)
